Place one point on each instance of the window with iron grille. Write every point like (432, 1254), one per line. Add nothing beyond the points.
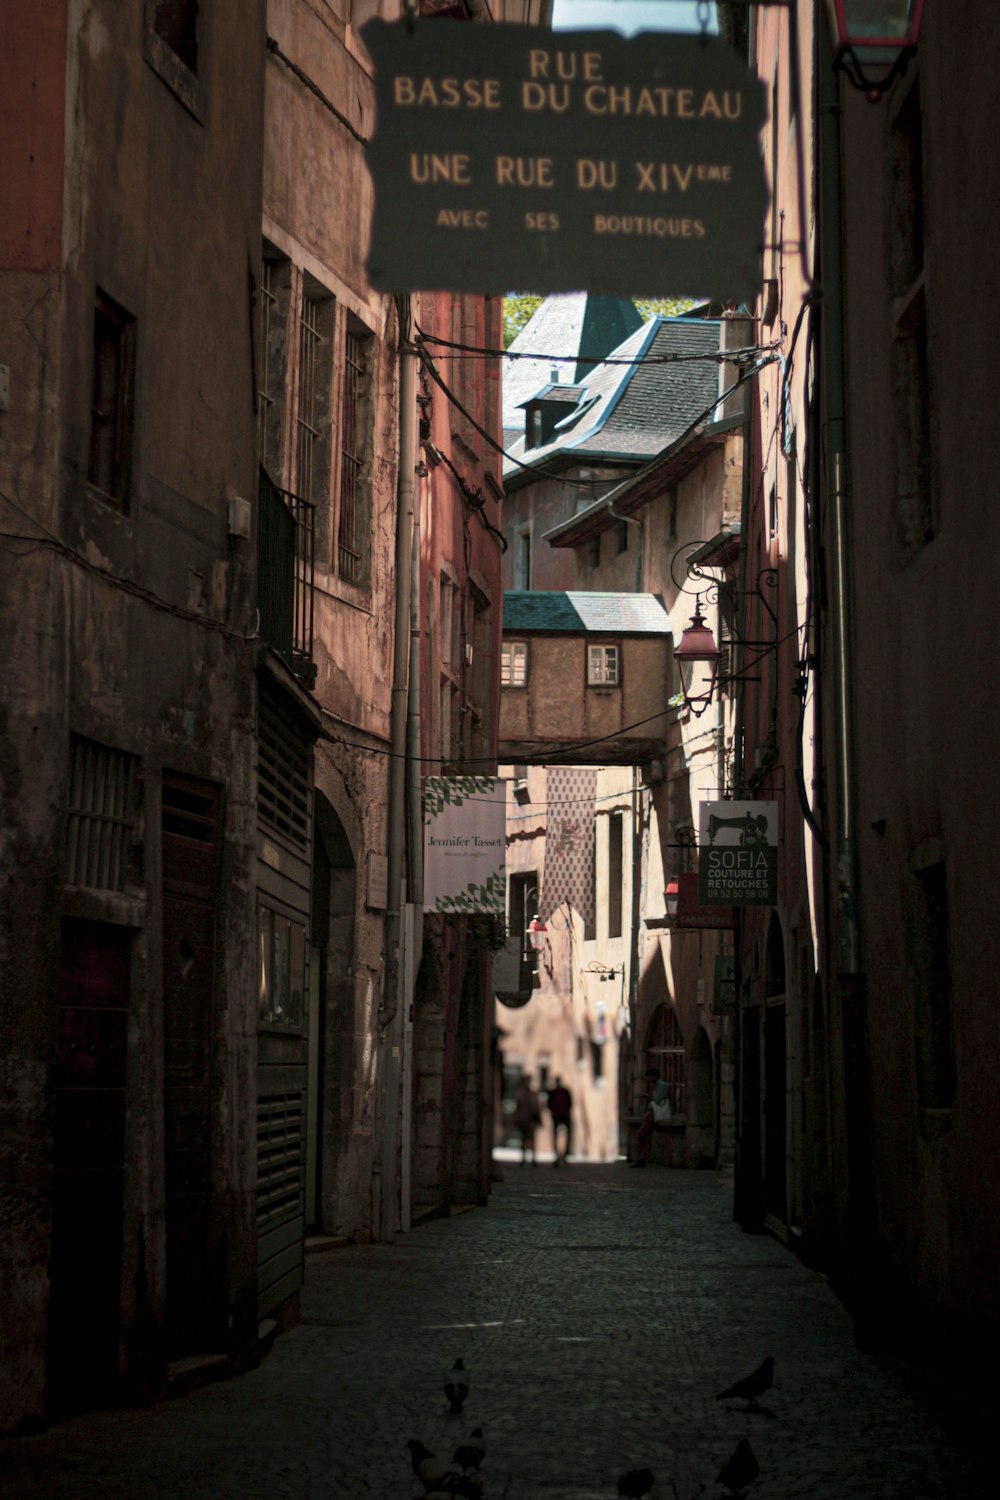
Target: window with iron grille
(272, 319)
(101, 818)
(111, 405)
(312, 419)
(665, 1051)
(602, 666)
(352, 521)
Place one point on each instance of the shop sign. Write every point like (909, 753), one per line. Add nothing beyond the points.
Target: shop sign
(507, 156)
(692, 912)
(738, 853)
(464, 844)
(724, 994)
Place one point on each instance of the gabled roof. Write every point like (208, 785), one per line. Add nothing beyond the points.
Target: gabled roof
(567, 323)
(648, 483)
(527, 611)
(636, 408)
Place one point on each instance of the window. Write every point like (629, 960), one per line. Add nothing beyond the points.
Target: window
(911, 354)
(282, 970)
(621, 537)
(522, 906)
(352, 523)
(101, 818)
(312, 416)
(449, 647)
(272, 321)
(594, 551)
(111, 402)
(665, 1051)
(514, 664)
(176, 24)
(522, 560)
(616, 843)
(602, 666)
(930, 961)
(173, 46)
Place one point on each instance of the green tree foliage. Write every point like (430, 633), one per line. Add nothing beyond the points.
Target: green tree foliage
(520, 307)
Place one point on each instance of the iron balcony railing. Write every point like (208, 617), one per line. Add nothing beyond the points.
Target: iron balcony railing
(286, 568)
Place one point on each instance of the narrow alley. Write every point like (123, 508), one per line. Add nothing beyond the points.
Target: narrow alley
(599, 1311)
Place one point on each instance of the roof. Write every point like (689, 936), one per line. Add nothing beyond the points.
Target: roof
(527, 611)
(566, 393)
(648, 483)
(631, 411)
(573, 323)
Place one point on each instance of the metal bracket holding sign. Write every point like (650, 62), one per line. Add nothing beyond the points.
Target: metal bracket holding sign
(512, 156)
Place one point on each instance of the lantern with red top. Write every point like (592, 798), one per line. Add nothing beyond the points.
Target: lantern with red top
(873, 34)
(697, 658)
(538, 934)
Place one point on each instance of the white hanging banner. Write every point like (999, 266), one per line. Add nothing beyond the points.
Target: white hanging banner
(464, 844)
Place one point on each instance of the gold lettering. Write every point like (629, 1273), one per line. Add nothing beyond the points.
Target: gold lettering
(592, 66)
(402, 90)
(595, 100)
(592, 174)
(710, 106)
(685, 109)
(554, 96)
(538, 63)
(427, 167)
(524, 171)
(462, 218)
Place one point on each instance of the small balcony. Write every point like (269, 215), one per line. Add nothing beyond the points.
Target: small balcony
(286, 558)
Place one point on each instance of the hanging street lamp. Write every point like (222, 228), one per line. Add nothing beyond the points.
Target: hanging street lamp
(697, 658)
(879, 34)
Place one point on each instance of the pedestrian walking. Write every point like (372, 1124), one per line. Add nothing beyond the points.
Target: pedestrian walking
(527, 1117)
(561, 1108)
(657, 1092)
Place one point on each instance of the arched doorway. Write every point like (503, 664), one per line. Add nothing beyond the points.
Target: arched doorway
(665, 1051)
(702, 1140)
(775, 1081)
(330, 1077)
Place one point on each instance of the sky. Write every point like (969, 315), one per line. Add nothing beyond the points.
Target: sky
(628, 16)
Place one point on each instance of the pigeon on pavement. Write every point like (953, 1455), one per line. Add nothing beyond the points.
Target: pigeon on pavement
(456, 1386)
(740, 1469)
(751, 1386)
(437, 1478)
(635, 1483)
(470, 1455)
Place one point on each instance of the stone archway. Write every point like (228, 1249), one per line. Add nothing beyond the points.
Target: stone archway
(702, 1139)
(332, 1022)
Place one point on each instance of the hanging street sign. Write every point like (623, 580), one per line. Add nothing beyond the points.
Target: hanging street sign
(693, 913)
(465, 848)
(738, 853)
(508, 156)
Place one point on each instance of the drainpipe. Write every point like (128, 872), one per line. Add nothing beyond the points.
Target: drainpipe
(390, 1013)
(849, 951)
(415, 926)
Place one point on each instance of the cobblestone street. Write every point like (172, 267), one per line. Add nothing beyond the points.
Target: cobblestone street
(599, 1310)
